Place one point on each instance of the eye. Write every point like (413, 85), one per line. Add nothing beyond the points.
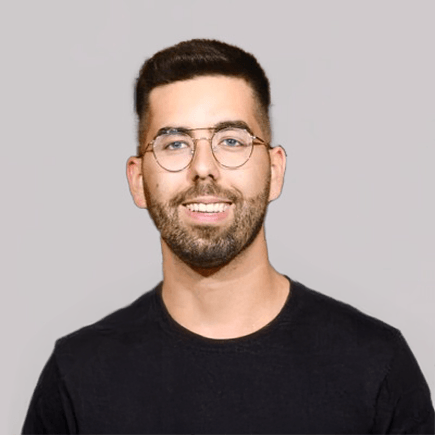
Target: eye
(232, 139)
(172, 143)
(231, 142)
(176, 145)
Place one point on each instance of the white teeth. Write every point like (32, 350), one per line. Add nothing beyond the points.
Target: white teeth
(207, 208)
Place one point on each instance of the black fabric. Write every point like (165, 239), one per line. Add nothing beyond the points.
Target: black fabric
(320, 366)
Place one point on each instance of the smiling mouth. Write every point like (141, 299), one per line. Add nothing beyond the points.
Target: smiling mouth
(214, 207)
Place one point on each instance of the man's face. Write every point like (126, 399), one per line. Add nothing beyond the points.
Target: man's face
(201, 238)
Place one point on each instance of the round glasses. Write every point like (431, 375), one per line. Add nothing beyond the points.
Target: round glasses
(174, 149)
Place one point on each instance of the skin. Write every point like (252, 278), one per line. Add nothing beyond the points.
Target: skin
(244, 294)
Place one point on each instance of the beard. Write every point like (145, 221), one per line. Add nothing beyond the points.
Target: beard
(209, 246)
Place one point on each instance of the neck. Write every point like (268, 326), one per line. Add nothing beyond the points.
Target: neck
(227, 302)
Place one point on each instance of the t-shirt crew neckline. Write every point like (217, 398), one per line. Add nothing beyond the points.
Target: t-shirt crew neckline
(171, 326)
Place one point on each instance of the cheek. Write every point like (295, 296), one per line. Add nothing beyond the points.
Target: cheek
(154, 190)
(252, 180)
(161, 187)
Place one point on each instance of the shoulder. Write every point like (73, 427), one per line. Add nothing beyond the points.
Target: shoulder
(366, 352)
(330, 312)
(338, 325)
(124, 327)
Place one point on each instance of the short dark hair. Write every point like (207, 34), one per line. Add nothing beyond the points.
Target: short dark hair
(199, 57)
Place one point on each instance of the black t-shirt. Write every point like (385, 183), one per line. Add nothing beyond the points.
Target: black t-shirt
(320, 366)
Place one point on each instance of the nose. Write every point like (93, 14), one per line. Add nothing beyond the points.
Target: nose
(203, 164)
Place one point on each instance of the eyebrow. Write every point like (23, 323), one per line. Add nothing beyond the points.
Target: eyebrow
(219, 126)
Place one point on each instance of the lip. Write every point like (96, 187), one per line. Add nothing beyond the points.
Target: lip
(207, 200)
(206, 218)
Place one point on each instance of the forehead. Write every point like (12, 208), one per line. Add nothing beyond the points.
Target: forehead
(202, 102)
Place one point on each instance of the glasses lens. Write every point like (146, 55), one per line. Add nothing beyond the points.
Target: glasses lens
(232, 147)
(173, 151)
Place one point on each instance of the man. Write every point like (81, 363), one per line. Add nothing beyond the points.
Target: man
(225, 344)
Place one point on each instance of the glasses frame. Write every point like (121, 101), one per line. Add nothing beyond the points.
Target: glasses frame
(209, 140)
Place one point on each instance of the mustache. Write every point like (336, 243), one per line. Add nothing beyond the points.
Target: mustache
(209, 189)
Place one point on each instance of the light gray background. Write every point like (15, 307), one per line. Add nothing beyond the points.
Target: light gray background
(353, 104)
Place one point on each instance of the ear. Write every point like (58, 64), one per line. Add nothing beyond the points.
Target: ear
(135, 181)
(278, 160)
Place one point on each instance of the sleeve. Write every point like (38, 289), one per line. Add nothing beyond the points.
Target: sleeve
(404, 403)
(50, 410)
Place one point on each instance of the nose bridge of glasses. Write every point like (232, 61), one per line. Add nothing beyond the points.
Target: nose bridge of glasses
(203, 155)
(202, 138)
(207, 148)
